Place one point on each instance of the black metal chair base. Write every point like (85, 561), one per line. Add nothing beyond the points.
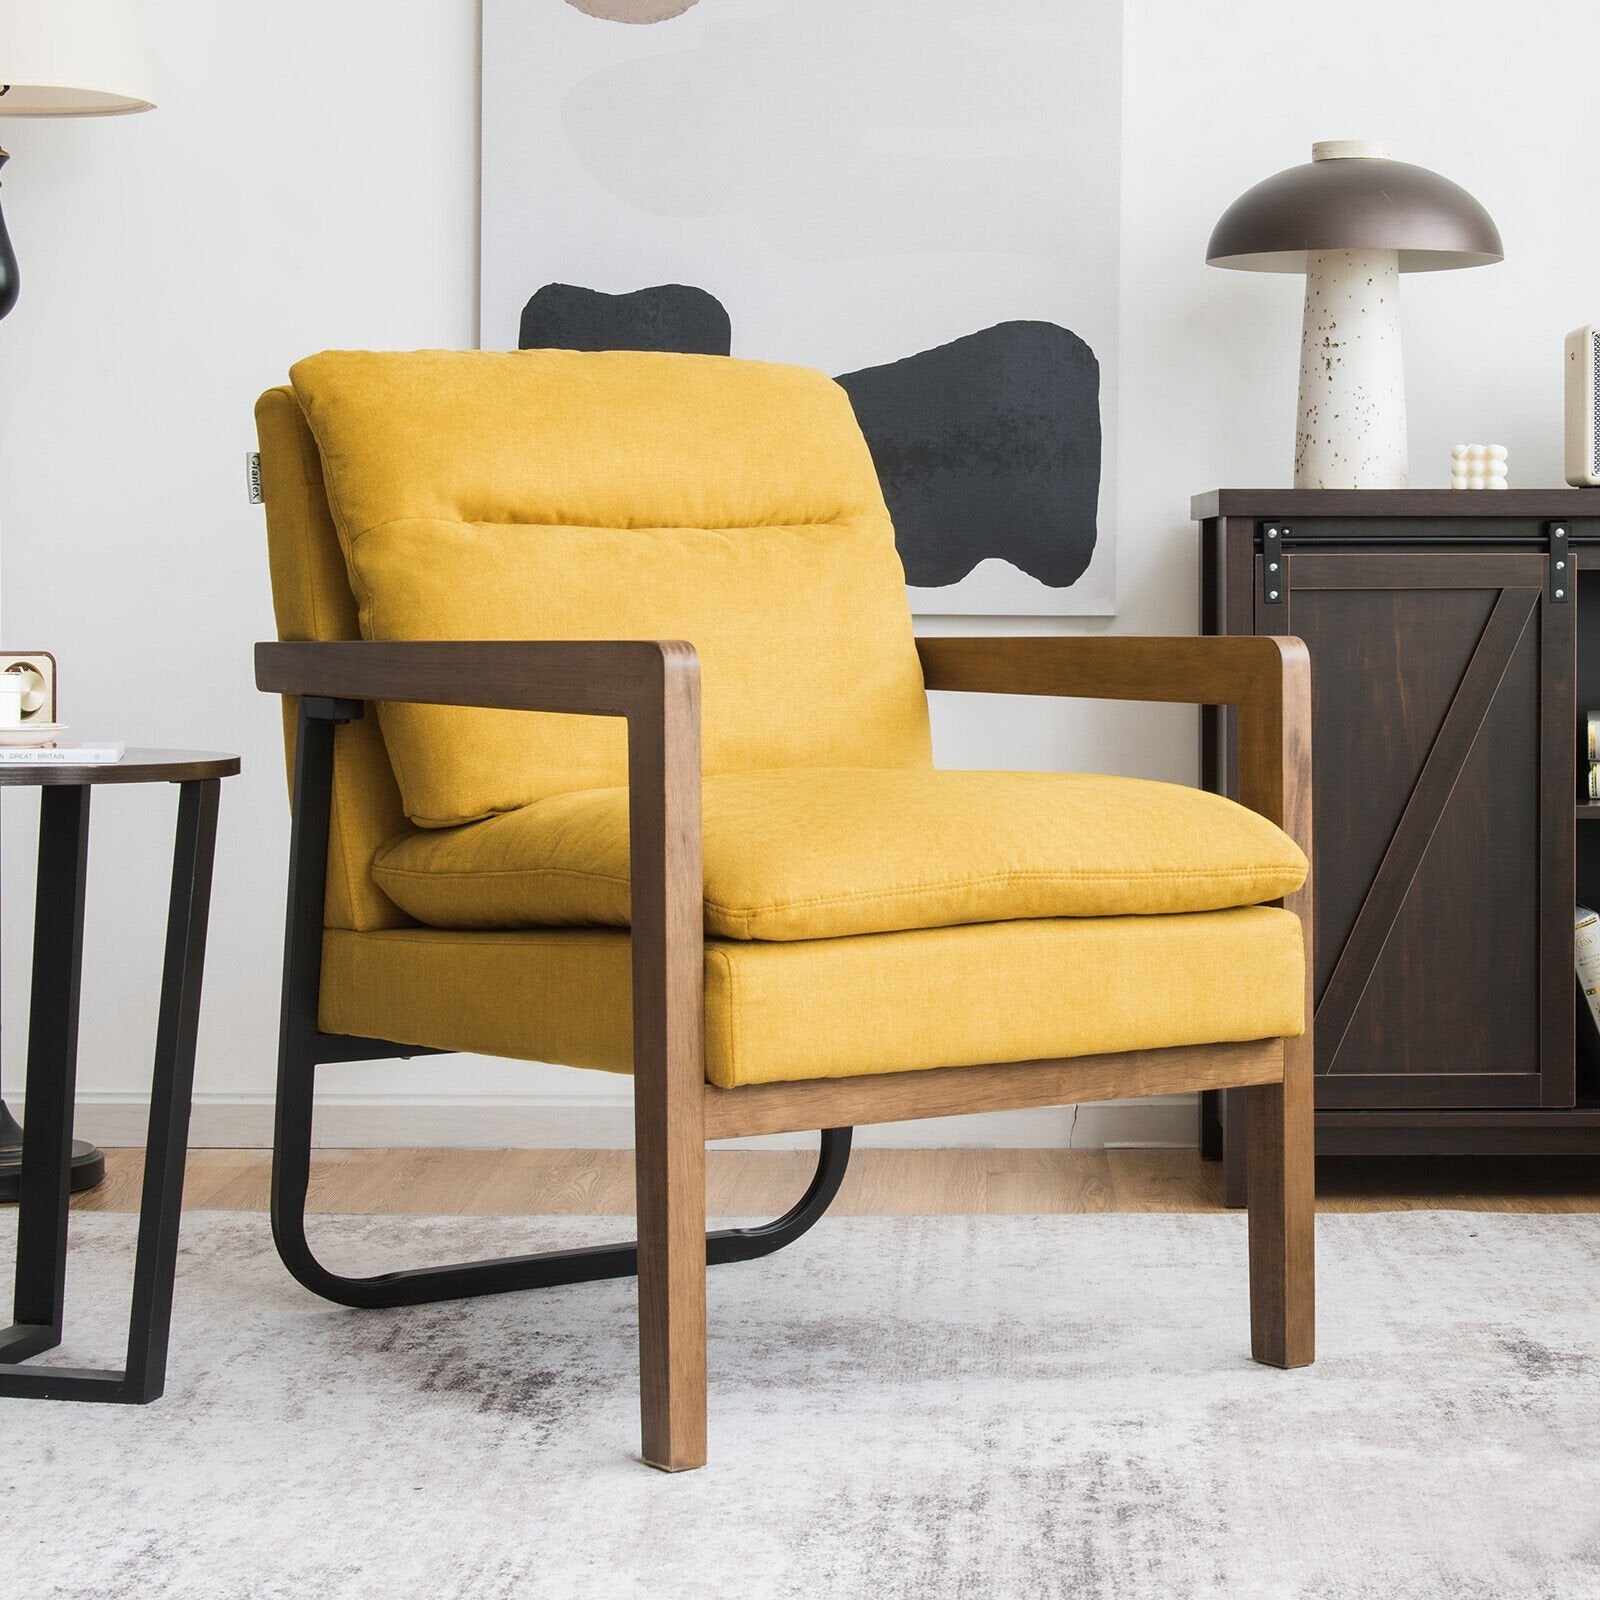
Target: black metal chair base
(463, 1280)
(303, 1047)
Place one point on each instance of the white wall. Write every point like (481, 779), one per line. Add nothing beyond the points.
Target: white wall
(310, 180)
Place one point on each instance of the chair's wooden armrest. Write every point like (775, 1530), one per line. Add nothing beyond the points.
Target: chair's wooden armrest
(653, 683)
(1267, 679)
(603, 678)
(1185, 670)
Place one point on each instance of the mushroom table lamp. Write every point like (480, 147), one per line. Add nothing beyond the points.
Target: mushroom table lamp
(1352, 220)
(65, 58)
(62, 58)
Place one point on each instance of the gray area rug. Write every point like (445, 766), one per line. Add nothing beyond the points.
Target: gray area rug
(946, 1406)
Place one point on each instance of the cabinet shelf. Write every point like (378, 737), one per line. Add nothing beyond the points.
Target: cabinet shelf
(1587, 812)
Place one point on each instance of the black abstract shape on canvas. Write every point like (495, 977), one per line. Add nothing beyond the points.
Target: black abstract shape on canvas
(670, 316)
(988, 446)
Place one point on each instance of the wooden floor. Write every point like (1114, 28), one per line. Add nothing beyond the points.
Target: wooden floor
(880, 1182)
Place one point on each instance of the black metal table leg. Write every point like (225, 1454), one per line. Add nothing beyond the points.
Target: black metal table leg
(41, 1252)
(44, 1189)
(167, 1142)
(88, 1164)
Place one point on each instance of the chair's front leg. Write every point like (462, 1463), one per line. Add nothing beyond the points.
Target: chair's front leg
(1280, 1144)
(670, 1157)
(669, 1068)
(1280, 1137)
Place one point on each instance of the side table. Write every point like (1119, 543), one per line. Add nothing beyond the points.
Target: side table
(45, 1181)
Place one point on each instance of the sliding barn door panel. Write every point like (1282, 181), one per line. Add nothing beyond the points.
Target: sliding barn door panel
(1443, 975)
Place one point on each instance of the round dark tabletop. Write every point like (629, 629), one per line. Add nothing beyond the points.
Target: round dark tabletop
(136, 766)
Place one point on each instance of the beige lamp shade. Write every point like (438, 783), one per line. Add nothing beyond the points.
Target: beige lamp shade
(71, 58)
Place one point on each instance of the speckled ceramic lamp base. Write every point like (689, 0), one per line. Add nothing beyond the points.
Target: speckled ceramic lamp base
(1352, 428)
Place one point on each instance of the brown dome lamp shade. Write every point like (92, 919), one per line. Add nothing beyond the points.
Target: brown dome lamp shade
(1352, 219)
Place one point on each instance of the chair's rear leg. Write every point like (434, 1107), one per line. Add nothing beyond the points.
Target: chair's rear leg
(291, 1167)
(1282, 1202)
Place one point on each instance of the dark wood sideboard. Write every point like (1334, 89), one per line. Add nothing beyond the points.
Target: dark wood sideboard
(1455, 645)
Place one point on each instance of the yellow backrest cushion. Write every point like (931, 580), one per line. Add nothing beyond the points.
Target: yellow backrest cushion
(553, 494)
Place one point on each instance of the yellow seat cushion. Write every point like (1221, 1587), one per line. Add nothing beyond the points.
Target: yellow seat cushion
(832, 1008)
(557, 494)
(821, 854)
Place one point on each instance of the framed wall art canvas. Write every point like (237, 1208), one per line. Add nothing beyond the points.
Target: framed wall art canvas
(919, 199)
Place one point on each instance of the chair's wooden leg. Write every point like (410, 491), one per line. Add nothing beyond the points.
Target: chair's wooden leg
(1274, 721)
(671, 1159)
(669, 1068)
(1282, 1203)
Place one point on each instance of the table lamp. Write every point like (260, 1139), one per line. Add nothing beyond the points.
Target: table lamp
(1352, 220)
(62, 58)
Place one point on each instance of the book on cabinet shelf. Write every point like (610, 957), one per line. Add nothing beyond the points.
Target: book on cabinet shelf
(1586, 959)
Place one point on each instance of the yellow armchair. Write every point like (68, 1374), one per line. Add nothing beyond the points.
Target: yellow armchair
(728, 866)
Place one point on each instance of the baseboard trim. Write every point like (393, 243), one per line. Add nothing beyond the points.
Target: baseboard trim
(479, 1122)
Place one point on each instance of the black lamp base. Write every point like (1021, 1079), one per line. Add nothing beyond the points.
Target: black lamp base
(88, 1164)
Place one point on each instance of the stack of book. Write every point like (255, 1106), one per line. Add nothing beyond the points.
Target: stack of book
(1586, 949)
(1591, 744)
(60, 755)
